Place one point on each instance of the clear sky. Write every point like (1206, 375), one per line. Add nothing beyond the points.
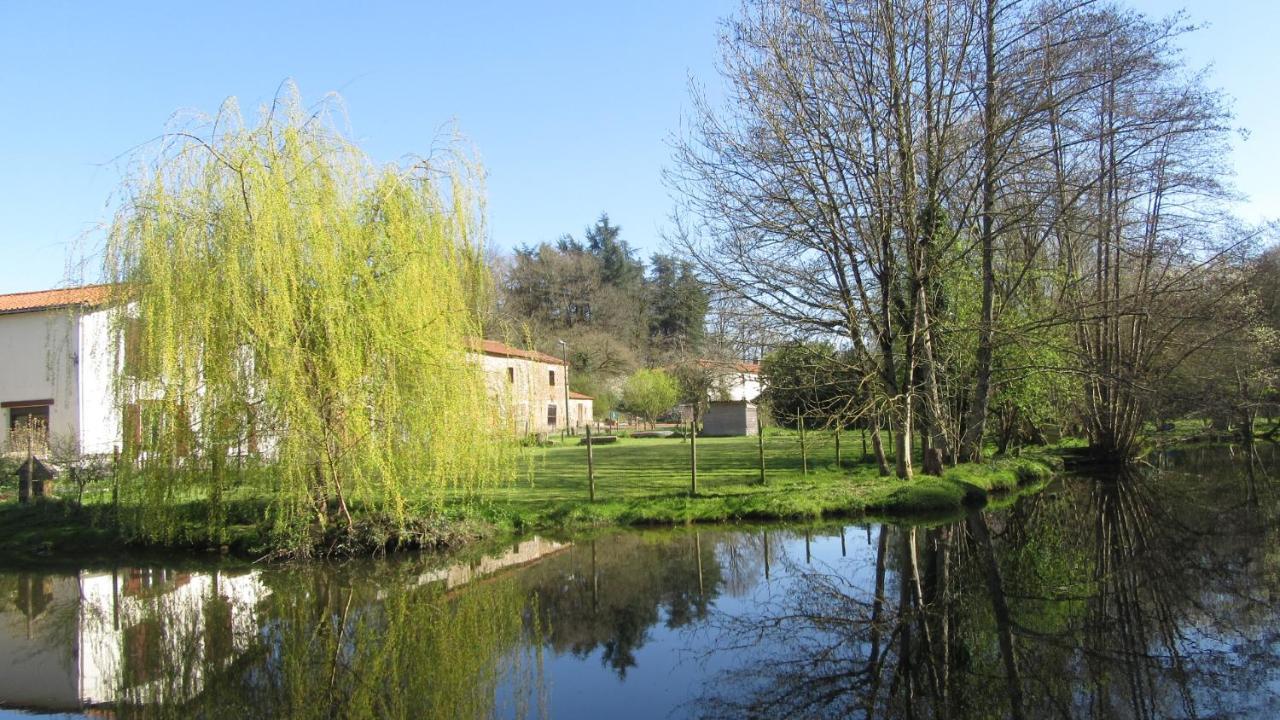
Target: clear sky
(569, 104)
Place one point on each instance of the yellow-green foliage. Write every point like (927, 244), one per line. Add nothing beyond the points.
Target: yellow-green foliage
(415, 654)
(301, 307)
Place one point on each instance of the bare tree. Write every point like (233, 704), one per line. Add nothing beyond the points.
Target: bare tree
(877, 160)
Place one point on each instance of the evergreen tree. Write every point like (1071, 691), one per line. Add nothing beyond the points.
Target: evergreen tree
(677, 306)
(618, 266)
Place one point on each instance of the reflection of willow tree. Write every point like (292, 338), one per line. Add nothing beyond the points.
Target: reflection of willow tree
(330, 647)
(607, 595)
(1123, 598)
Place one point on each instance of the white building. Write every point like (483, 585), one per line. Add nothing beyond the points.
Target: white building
(530, 389)
(56, 368)
(733, 380)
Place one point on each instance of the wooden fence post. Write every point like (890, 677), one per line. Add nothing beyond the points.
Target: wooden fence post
(760, 445)
(591, 469)
(838, 463)
(693, 452)
(804, 454)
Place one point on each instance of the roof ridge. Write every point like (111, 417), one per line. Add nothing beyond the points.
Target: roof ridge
(90, 286)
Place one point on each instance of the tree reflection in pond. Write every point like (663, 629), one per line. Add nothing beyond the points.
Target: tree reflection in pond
(332, 646)
(607, 595)
(1146, 596)
(1143, 596)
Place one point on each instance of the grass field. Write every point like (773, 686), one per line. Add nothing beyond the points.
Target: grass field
(638, 481)
(648, 481)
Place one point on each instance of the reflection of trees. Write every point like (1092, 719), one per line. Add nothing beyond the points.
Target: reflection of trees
(823, 648)
(334, 645)
(1137, 597)
(607, 595)
(1166, 589)
(370, 640)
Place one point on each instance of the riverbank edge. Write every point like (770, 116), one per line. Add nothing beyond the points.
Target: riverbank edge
(57, 532)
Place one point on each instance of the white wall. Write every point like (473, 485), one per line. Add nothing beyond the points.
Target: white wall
(742, 386)
(65, 355)
(580, 412)
(100, 431)
(38, 359)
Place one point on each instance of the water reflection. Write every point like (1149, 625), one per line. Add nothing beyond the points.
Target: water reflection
(604, 597)
(372, 640)
(1133, 597)
(97, 637)
(1146, 596)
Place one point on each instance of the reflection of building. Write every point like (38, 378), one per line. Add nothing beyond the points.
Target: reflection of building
(520, 553)
(67, 641)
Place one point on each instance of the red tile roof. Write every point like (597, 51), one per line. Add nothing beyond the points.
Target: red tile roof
(94, 295)
(579, 396)
(497, 349)
(86, 296)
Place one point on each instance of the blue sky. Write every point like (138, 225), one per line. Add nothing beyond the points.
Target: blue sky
(568, 104)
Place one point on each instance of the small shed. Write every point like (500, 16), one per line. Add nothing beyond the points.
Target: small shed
(35, 477)
(729, 418)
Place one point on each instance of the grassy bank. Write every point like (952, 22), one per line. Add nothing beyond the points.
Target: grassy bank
(638, 482)
(647, 481)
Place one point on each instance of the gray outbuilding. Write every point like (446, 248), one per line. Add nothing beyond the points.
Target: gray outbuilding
(728, 418)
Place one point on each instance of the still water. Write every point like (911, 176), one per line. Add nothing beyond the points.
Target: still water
(1150, 596)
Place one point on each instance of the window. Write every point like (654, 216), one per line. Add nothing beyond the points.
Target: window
(29, 425)
(511, 374)
(551, 415)
(552, 376)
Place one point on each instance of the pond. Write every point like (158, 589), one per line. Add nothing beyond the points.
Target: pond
(1152, 595)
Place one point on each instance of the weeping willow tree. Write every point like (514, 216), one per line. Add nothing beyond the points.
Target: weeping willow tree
(294, 321)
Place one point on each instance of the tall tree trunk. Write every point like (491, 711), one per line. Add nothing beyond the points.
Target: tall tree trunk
(971, 445)
(903, 444)
(877, 446)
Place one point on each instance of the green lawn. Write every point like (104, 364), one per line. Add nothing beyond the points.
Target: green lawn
(648, 481)
(638, 481)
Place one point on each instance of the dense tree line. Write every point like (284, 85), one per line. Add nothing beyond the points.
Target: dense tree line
(616, 314)
(996, 211)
